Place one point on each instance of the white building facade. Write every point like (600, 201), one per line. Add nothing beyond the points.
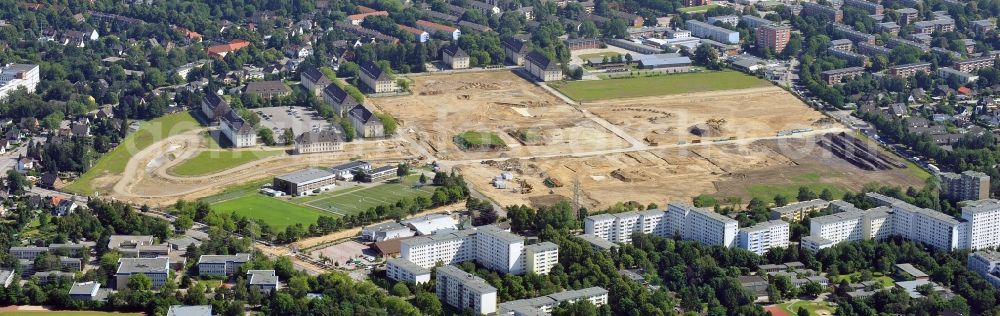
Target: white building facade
(762, 237)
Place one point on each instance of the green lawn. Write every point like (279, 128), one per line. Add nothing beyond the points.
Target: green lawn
(275, 212)
(354, 200)
(209, 162)
(149, 132)
(592, 90)
(600, 54)
(812, 307)
(211, 284)
(476, 140)
(697, 8)
(66, 313)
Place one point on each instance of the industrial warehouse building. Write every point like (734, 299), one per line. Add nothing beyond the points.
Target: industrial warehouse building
(304, 182)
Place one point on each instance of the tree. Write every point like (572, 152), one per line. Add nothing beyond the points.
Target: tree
(289, 137)
(428, 303)
(616, 28)
(812, 289)
(802, 312)
(140, 282)
(402, 170)
(826, 195)
(266, 136)
(388, 123)
(349, 131)
(588, 29)
(423, 178)
(780, 200)
(706, 56)
(400, 289)
(183, 222)
(805, 194)
(17, 183)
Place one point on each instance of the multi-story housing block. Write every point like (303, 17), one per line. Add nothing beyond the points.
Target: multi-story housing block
(541, 257)
(908, 70)
(701, 225)
(14, 76)
(798, 211)
(405, 271)
(819, 10)
(774, 37)
(907, 15)
(973, 64)
(762, 237)
(490, 246)
(544, 305)
(848, 32)
(982, 219)
(464, 291)
(987, 264)
(221, 265)
(835, 76)
(872, 7)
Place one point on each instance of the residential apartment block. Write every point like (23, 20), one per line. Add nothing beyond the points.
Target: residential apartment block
(403, 270)
(489, 246)
(14, 76)
(974, 64)
(987, 264)
(455, 57)
(872, 7)
(619, 227)
(515, 50)
(969, 185)
(848, 32)
(762, 237)
(907, 15)
(982, 219)
(221, 265)
(819, 10)
(835, 76)
(774, 37)
(908, 70)
(701, 225)
(798, 211)
(462, 290)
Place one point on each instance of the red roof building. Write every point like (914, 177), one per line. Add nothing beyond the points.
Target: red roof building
(220, 51)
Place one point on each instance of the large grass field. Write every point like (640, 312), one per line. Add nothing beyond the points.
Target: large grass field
(697, 8)
(275, 212)
(66, 313)
(593, 90)
(342, 201)
(208, 162)
(149, 132)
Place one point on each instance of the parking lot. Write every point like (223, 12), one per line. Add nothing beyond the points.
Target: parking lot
(299, 119)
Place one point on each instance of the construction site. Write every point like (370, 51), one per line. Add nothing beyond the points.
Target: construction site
(709, 116)
(858, 152)
(529, 120)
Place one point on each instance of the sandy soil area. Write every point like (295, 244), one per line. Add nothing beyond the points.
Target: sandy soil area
(500, 102)
(746, 113)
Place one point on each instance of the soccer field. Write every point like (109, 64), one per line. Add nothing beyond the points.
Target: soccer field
(356, 201)
(277, 213)
(593, 90)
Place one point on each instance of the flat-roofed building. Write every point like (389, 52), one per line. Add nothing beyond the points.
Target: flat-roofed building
(221, 265)
(403, 270)
(346, 170)
(541, 257)
(14, 76)
(848, 32)
(190, 310)
(763, 237)
(27, 253)
(705, 30)
(543, 305)
(982, 219)
(842, 44)
(464, 291)
(851, 57)
(798, 211)
(986, 263)
(835, 76)
(871, 7)
(974, 64)
(85, 291)
(597, 243)
(157, 269)
(304, 182)
(908, 70)
(490, 246)
(618, 228)
(385, 231)
(265, 281)
(428, 224)
(379, 174)
(907, 15)
(774, 37)
(701, 225)
(872, 50)
(963, 77)
(819, 10)
(753, 21)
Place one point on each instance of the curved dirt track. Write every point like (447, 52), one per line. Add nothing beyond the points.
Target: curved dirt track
(146, 178)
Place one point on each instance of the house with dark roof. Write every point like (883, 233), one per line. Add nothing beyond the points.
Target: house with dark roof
(376, 79)
(455, 57)
(339, 99)
(542, 67)
(237, 130)
(267, 89)
(367, 124)
(515, 50)
(485, 8)
(50, 180)
(214, 107)
(432, 27)
(475, 27)
(318, 142)
(314, 80)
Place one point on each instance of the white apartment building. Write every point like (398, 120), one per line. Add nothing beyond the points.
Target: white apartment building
(221, 265)
(14, 76)
(400, 269)
(982, 219)
(618, 228)
(762, 237)
(701, 225)
(157, 269)
(499, 250)
(490, 246)
(541, 257)
(854, 225)
(987, 264)
(463, 290)
(237, 130)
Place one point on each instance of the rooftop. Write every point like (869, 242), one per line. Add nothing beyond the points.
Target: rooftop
(980, 206)
(306, 175)
(262, 277)
(85, 288)
(501, 234)
(597, 242)
(543, 246)
(468, 280)
(190, 310)
(428, 224)
(911, 270)
(143, 265)
(764, 226)
(240, 257)
(408, 266)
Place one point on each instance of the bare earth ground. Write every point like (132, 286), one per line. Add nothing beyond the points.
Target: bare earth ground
(500, 102)
(746, 113)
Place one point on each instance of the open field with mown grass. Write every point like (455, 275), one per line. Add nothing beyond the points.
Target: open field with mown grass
(593, 90)
(209, 162)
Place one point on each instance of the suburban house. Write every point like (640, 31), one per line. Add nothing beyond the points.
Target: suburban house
(267, 89)
(50, 180)
(515, 50)
(376, 79)
(221, 265)
(318, 142)
(455, 57)
(339, 99)
(542, 67)
(237, 130)
(157, 269)
(264, 281)
(214, 107)
(432, 27)
(314, 80)
(365, 122)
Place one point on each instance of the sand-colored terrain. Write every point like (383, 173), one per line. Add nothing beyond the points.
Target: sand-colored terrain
(746, 113)
(443, 106)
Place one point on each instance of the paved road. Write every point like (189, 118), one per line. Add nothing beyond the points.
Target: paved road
(9, 160)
